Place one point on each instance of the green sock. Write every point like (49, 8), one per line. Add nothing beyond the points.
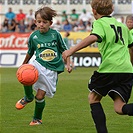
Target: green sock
(39, 106)
(29, 93)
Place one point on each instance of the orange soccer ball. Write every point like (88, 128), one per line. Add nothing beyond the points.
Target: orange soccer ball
(27, 74)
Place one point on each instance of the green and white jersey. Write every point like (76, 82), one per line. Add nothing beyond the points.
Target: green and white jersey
(48, 48)
(66, 42)
(113, 40)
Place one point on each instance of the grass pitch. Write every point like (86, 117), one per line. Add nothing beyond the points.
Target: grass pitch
(67, 112)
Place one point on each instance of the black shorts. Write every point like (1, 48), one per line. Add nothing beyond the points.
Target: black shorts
(110, 83)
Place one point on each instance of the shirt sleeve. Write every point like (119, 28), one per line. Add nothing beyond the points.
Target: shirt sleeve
(98, 31)
(61, 44)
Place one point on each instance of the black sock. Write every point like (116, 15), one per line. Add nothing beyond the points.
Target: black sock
(127, 109)
(99, 117)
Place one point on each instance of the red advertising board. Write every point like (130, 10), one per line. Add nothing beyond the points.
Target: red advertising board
(13, 41)
(13, 48)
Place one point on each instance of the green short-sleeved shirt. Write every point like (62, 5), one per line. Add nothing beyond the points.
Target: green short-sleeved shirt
(48, 48)
(74, 17)
(131, 31)
(113, 41)
(66, 42)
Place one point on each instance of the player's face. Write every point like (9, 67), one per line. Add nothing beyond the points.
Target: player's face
(42, 25)
(129, 24)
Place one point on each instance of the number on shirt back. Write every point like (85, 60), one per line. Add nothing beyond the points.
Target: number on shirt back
(118, 33)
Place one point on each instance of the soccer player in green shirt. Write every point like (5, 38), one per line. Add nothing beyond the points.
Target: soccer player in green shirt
(114, 76)
(129, 24)
(48, 45)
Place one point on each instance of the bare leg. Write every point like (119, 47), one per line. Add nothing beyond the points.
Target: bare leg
(121, 107)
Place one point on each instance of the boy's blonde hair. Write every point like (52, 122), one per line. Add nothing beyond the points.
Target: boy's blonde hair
(46, 13)
(102, 7)
(129, 17)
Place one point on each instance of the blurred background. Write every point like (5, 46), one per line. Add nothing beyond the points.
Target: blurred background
(121, 7)
(74, 16)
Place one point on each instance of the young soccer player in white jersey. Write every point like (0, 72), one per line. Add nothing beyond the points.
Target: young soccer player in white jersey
(48, 45)
(114, 76)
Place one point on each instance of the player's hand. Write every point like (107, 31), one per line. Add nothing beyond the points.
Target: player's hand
(65, 54)
(69, 68)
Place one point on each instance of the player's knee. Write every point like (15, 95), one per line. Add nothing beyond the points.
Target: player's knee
(94, 97)
(118, 110)
(90, 98)
(39, 97)
(118, 104)
(40, 94)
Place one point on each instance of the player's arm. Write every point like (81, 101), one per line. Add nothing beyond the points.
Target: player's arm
(30, 51)
(84, 43)
(27, 58)
(68, 65)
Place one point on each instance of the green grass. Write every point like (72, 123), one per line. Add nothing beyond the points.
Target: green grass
(67, 112)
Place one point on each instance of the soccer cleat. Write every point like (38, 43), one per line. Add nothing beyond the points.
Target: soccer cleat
(35, 122)
(21, 103)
